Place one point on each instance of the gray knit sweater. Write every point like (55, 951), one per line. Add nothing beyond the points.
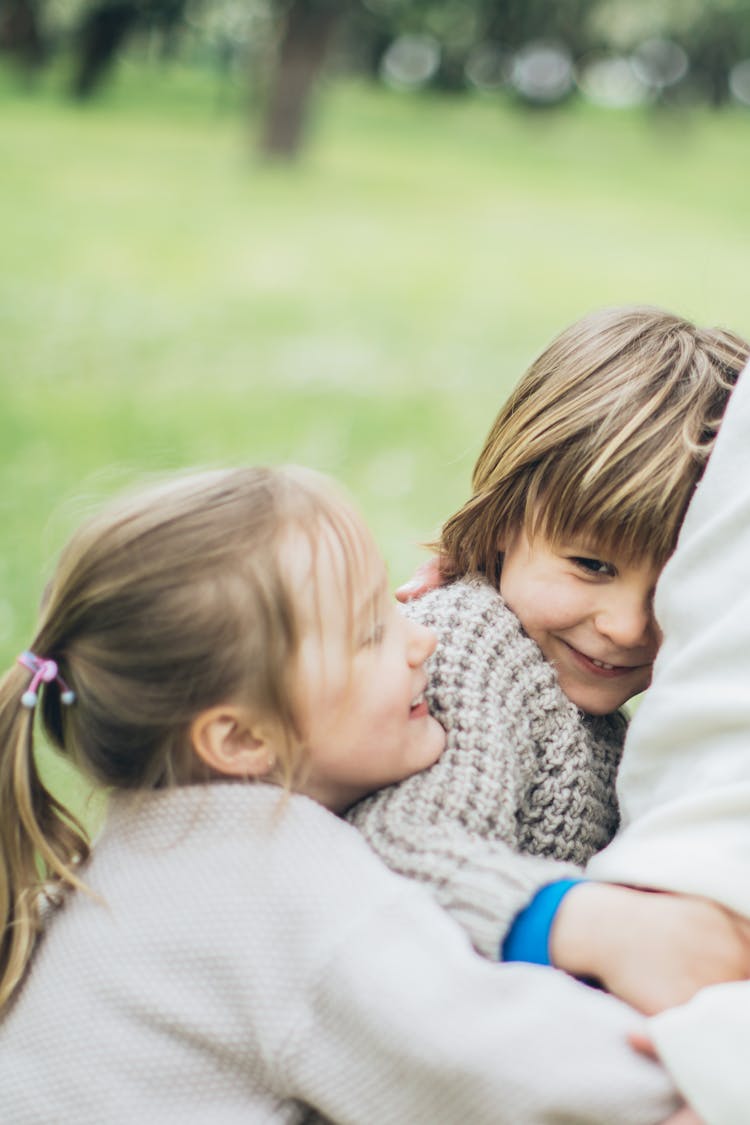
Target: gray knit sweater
(525, 787)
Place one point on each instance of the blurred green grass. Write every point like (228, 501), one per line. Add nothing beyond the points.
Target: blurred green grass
(168, 300)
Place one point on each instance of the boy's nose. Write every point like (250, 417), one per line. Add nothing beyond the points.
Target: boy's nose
(629, 623)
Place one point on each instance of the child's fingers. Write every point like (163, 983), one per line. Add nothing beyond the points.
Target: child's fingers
(684, 1116)
(643, 1044)
(426, 577)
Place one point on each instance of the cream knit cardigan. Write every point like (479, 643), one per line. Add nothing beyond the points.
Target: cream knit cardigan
(249, 956)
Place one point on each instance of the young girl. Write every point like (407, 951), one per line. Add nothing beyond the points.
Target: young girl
(546, 629)
(217, 651)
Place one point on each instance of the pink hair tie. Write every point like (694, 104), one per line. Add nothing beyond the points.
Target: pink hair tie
(44, 672)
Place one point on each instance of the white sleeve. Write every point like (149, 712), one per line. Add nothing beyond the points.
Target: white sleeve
(706, 1046)
(408, 1025)
(684, 783)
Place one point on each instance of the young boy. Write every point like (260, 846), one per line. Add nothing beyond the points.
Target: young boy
(579, 494)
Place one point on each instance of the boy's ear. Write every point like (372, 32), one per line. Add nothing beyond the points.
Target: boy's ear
(231, 743)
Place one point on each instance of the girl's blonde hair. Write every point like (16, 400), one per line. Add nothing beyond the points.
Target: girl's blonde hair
(604, 438)
(168, 602)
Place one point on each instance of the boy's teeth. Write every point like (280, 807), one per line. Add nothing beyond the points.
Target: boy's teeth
(601, 664)
(418, 699)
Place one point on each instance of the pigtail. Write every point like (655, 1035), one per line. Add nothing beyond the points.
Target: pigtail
(41, 842)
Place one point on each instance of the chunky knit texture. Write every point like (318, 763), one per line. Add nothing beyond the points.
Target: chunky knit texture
(524, 771)
(249, 957)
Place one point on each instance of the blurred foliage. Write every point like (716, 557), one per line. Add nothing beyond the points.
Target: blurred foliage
(365, 313)
(539, 51)
(167, 301)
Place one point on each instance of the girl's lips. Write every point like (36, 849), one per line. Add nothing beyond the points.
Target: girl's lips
(599, 667)
(420, 711)
(419, 707)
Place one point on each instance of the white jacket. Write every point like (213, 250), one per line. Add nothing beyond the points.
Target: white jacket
(684, 783)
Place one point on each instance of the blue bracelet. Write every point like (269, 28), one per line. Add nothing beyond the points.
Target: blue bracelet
(528, 937)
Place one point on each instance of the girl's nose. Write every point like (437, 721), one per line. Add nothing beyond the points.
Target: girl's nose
(421, 643)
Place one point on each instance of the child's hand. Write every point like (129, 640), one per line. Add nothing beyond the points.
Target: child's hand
(426, 577)
(653, 950)
(684, 1116)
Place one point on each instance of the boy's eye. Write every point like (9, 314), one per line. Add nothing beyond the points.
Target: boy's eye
(594, 566)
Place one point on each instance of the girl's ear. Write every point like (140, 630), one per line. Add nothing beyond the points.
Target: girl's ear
(228, 740)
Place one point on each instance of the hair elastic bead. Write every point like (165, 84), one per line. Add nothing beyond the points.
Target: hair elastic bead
(44, 672)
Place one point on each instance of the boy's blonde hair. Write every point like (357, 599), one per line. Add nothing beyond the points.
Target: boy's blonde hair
(167, 603)
(603, 439)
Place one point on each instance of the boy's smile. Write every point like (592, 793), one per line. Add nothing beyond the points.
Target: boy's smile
(591, 617)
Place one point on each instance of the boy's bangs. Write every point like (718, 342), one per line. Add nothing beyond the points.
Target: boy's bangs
(633, 518)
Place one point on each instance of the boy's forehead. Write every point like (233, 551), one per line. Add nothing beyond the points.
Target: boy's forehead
(603, 539)
(607, 543)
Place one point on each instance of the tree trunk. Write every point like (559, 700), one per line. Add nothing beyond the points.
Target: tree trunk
(103, 33)
(307, 34)
(19, 32)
